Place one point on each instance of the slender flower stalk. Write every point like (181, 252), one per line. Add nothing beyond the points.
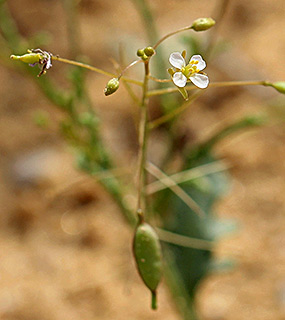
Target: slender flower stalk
(159, 80)
(170, 35)
(167, 117)
(87, 66)
(211, 84)
(201, 24)
(129, 66)
(143, 128)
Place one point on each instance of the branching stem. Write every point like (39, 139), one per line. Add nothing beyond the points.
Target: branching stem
(87, 66)
(156, 123)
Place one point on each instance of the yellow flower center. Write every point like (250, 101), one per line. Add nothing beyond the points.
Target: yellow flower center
(190, 69)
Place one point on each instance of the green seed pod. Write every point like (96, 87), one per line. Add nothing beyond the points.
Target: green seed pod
(140, 52)
(148, 256)
(149, 51)
(203, 24)
(112, 86)
(30, 58)
(279, 86)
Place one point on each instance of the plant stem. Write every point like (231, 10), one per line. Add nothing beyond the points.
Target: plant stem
(211, 85)
(141, 205)
(150, 27)
(237, 83)
(159, 80)
(184, 241)
(87, 66)
(187, 175)
(154, 124)
(170, 34)
(175, 188)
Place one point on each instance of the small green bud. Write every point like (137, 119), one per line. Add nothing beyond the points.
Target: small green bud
(30, 58)
(149, 51)
(144, 57)
(203, 24)
(140, 52)
(112, 86)
(279, 86)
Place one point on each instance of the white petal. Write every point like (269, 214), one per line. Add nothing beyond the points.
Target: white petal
(200, 80)
(49, 65)
(176, 60)
(201, 63)
(179, 79)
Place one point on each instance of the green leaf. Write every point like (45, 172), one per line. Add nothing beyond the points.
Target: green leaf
(223, 265)
(192, 264)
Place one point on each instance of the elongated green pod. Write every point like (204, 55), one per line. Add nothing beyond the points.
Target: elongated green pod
(148, 256)
(30, 58)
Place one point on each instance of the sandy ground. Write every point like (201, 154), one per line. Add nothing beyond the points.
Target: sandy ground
(69, 256)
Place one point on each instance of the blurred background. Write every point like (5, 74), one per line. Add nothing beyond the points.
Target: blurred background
(65, 249)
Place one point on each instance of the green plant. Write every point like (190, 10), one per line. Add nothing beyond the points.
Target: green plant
(184, 206)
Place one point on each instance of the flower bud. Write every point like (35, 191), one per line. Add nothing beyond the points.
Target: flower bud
(149, 51)
(140, 52)
(171, 71)
(29, 58)
(144, 57)
(279, 86)
(112, 86)
(203, 24)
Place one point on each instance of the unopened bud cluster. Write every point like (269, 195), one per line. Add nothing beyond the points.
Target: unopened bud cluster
(145, 53)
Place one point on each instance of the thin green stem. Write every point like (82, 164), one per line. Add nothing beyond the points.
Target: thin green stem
(211, 85)
(175, 188)
(149, 26)
(87, 66)
(186, 175)
(170, 35)
(237, 83)
(143, 128)
(153, 300)
(184, 241)
(159, 80)
(129, 66)
(156, 123)
(127, 86)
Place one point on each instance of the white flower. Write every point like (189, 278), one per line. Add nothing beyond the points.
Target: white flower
(191, 71)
